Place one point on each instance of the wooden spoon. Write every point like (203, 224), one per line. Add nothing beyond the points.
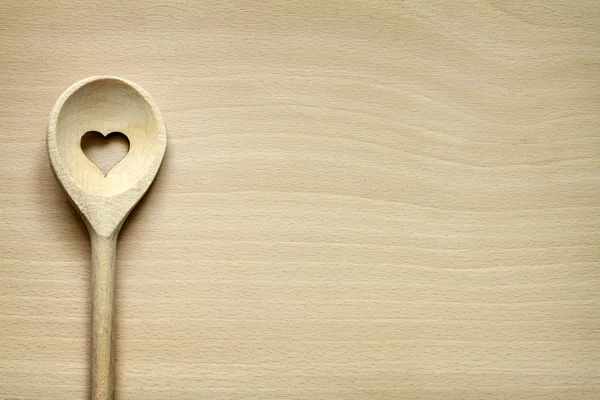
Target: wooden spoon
(105, 104)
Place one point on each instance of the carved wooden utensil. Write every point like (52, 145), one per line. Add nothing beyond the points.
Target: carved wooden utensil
(105, 104)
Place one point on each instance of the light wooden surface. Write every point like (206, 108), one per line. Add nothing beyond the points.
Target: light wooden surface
(360, 200)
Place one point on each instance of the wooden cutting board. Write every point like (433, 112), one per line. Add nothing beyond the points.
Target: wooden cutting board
(359, 200)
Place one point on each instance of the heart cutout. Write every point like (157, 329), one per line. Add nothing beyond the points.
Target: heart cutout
(105, 150)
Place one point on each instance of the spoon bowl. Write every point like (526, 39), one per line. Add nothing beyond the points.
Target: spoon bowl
(105, 104)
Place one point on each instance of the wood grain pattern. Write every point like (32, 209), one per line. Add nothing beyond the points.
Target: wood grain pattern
(360, 200)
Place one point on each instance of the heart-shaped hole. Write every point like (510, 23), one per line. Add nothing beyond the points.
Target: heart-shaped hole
(105, 151)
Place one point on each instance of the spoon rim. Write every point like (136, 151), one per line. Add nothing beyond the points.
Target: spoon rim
(52, 131)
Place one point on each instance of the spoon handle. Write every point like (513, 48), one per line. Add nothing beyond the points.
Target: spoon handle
(103, 287)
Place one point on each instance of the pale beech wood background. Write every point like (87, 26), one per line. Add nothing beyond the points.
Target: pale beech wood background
(359, 200)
